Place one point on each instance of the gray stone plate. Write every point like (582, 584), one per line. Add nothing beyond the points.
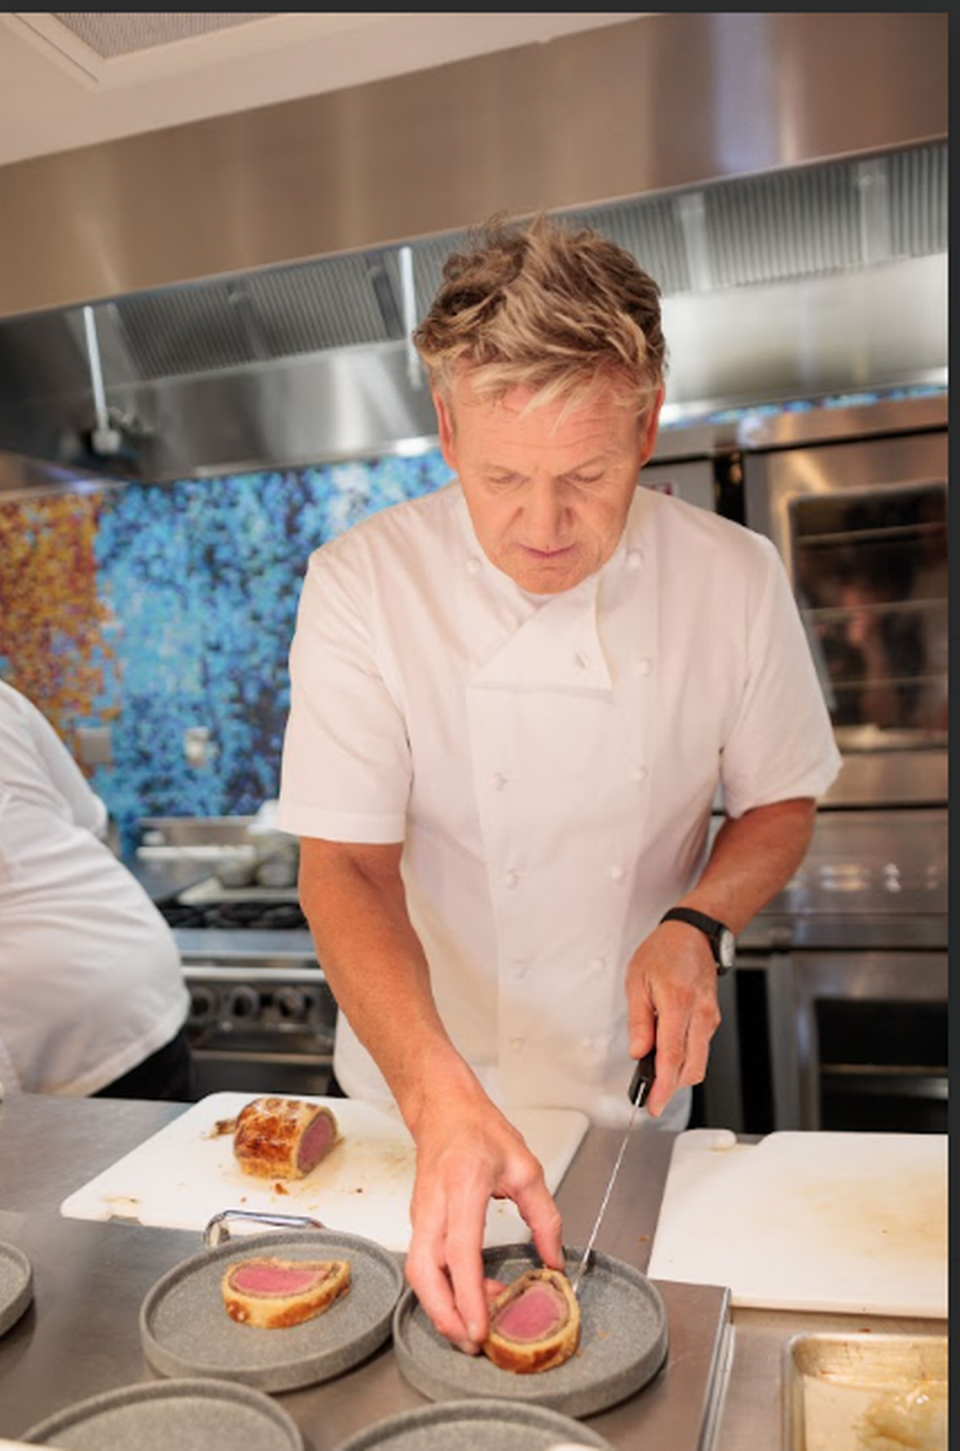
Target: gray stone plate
(185, 1329)
(476, 1426)
(623, 1342)
(192, 1415)
(16, 1285)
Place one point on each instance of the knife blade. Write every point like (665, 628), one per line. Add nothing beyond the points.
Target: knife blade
(643, 1076)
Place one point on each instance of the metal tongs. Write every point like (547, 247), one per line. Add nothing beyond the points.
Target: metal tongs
(640, 1083)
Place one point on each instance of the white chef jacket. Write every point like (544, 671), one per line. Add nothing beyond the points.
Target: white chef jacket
(90, 976)
(549, 763)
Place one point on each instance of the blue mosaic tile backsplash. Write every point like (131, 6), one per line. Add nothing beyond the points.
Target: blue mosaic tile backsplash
(177, 611)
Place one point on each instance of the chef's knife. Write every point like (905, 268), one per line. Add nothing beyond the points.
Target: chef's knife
(643, 1076)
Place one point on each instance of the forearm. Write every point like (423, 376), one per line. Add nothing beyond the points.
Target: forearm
(752, 859)
(671, 978)
(355, 904)
(467, 1151)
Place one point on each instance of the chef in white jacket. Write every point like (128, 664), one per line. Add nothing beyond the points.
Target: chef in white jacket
(92, 995)
(513, 704)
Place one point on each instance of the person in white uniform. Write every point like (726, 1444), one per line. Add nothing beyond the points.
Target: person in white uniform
(513, 704)
(92, 996)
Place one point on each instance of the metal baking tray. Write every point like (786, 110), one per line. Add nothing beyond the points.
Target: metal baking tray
(865, 1392)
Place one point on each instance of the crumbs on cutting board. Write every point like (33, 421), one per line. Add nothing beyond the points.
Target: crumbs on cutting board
(222, 1127)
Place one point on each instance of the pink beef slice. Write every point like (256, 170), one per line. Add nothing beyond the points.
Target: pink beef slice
(535, 1314)
(317, 1140)
(258, 1278)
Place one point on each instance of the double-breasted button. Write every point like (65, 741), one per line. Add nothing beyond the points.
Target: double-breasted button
(510, 879)
(473, 566)
(638, 774)
(498, 781)
(618, 873)
(644, 666)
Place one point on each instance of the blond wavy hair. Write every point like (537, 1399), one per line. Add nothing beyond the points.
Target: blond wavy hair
(560, 311)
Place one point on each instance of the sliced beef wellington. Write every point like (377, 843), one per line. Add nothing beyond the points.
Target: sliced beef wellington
(283, 1138)
(534, 1323)
(273, 1294)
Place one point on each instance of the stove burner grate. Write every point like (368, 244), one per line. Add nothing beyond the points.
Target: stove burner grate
(236, 916)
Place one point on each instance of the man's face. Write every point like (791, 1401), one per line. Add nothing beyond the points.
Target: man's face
(548, 494)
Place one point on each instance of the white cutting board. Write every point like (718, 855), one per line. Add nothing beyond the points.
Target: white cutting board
(843, 1222)
(186, 1173)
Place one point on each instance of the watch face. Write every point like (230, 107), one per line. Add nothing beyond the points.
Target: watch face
(726, 947)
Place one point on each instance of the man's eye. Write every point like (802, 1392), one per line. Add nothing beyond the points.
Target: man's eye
(584, 478)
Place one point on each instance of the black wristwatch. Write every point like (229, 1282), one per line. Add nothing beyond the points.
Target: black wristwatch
(718, 934)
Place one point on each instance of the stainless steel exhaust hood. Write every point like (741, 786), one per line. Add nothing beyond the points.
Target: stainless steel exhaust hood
(783, 176)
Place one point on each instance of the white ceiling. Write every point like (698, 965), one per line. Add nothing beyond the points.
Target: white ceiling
(136, 73)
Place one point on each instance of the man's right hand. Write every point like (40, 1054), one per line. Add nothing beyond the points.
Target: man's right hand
(468, 1154)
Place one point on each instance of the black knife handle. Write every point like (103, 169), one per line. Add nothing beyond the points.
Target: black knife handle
(643, 1076)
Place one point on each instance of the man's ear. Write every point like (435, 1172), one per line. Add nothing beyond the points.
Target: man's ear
(446, 429)
(651, 425)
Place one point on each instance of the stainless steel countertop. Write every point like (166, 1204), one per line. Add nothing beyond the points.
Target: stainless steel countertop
(80, 1336)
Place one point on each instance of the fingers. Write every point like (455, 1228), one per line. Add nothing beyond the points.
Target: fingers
(492, 1288)
(464, 1252)
(683, 1051)
(672, 1006)
(546, 1225)
(445, 1261)
(444, 1264)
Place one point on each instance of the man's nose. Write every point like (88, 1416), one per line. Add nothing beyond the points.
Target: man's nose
(543, 510)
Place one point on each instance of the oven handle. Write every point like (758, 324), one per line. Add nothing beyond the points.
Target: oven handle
(218, 1228)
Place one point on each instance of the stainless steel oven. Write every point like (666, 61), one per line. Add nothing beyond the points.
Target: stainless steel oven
(262, 1015)
(861, 525)
(836, 1015)
(840, 999)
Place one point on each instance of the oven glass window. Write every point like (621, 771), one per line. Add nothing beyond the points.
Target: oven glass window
(871, 581)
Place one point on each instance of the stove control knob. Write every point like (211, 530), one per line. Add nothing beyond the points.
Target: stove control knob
(291, 1004)
(203, 1001)
(244, 1002)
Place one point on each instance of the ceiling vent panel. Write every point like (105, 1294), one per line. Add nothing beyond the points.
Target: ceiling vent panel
(110, 35)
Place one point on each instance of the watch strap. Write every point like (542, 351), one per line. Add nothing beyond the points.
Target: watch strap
(711, 927)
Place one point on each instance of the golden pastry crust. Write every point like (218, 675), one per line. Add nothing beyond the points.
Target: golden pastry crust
(275, 1310)
(268, 1138)
(528, 1357)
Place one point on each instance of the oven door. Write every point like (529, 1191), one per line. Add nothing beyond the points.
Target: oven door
(260, 1027)
(861, 526)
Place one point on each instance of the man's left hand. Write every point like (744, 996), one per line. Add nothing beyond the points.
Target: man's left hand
(672, 1006)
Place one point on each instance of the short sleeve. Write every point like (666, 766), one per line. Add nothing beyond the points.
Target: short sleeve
(346, 768)
(81, 803)
(781, 744)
